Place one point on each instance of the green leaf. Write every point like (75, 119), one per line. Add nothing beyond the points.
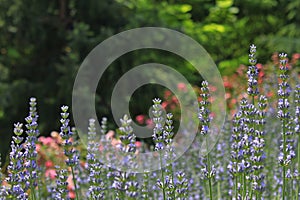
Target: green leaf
(224, 3)
(185, 8)
(13, 53)
(214, 28)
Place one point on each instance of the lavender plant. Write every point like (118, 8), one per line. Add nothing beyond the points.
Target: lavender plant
(60, 192)
(30, 147)
(258, 154)
(297, 131)
(17, 179)
(69, 150)
(158, 139)
(181, 186)
(252, 74)
(209, 170)
(251, 172)
(125, 184)
(287, 153)
(95, 168)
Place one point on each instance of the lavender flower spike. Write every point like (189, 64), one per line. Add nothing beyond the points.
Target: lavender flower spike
(30, 146)
(252, 73)
(69, 150)
(96, 187)
(16, 177)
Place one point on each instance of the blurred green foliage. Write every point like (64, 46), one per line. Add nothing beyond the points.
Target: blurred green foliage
(42, 44)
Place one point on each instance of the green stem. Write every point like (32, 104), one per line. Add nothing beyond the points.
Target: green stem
(219, 190)
(75, 184)
(209, 171)
(210, 188)
(162, 176)
(245, 185)
(32, 191)
(236, 183)
(39, 189)
(236, 187)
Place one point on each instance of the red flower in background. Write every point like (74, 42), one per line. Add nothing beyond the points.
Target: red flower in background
(49, 164)
(167, 94)
(138, 144)
(140, 119)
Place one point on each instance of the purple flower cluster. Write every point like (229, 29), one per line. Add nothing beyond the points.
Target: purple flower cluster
(30, 145)
(181, 186)
(125, 184)
(70, 151)
(287, 152)
(257, 149)
(252, 72)
(247, 148)
(297, 110)
(158, 121)
(23, 165)
(16, 177)
(95, 168)
(204, 110)
(60, 192)
(66, 134)
(163, 137)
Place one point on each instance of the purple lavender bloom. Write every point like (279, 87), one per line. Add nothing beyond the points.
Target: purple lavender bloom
(158, 125)
(69, 148)
(16, 176)
(125, 184)
(181, 186)
(252, 73)
(297, 110)
(258, 143)
(204, 111)
(95, 168)
(287, 152)
(30, 145)
(60, 192)
(236, 147)
(145, 186)
(66, 134)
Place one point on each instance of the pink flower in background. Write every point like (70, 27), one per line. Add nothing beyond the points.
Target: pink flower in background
(149, 123)
(138, 144)
(51, 173)
(212, 88)
(174, 99)
(296, 56)
(226, 82)
(181, 87)
(110, 135)
(38, 147)
(140, 119)
(72, 194)
(164, 104)
(167, 94)
(49, 164)
(46, 140)
(71, 187)
(227, 95)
